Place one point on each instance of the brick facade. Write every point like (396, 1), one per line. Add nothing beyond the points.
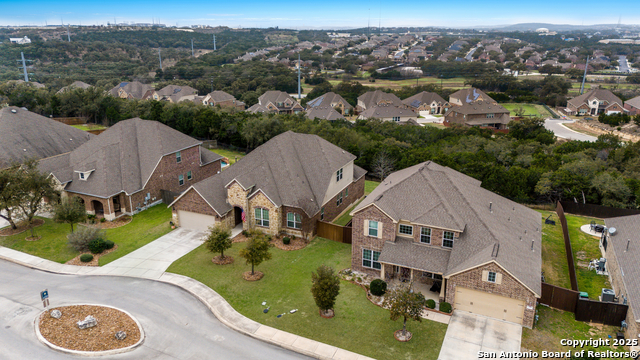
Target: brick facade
(632, 109)
(437, 235)
(360, 241)
(509, 287)
(355, 192)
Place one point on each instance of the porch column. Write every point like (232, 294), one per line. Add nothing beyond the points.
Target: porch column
(382, 273)
(411, 276)
(442, 289)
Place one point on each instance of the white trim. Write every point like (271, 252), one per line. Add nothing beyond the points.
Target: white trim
(234, 179)
(377, 207)
(263, 193)
(502, 267)
(205, 200)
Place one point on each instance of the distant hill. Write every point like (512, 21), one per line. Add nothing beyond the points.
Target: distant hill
(555, 27)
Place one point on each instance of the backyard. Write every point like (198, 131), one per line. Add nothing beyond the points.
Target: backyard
(229, 154)
(358, 326)
(369, 186)
(144, 228)
(529, 109)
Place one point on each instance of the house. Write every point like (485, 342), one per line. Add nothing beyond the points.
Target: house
(595, 102)
(284, 185)
(74, 85)
(324, 113)
(172, 93)
(479, 113)
(468, 95)
(30, 83)
(20, 41)
(25, 135)
(427, 101)
(622, 253)
(389, 113)
(633, 106)
(222, 99)
(376, 98)
(276, 102)
(131, 90)
(333, 100)
(129, 166)
(429, 223)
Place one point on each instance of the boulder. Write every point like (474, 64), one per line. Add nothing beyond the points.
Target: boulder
(56, 314)
(88, 322)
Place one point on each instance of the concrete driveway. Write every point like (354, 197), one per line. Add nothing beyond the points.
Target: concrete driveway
(469, 333)
(556, 125)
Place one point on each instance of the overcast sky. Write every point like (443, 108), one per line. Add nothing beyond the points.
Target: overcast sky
(324, 14)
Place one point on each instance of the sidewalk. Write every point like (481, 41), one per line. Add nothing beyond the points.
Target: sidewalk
(216, 303)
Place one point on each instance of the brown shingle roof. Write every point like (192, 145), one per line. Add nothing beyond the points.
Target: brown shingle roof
(26, 135)
(75, 85)
(635, 102)
(599, 94)
(325, 113)
(405, 252)
(374, 98)
(470, 95)
(424, 97)
(386, 111)
(135, 89)
(327, 100)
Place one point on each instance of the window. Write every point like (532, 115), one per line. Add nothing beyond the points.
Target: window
(447, 239)
(262, 217)
(490, 116)
(339, 175)
(178, 157)
(322, 214)
(491, 277)
(181, 179)
(346, 192)
(396, 118)
(339, 200)
(425, 235)
(373, 228)
(406, 229)
(370, 259)
(82, 176)
(189, 177)
(293, 221)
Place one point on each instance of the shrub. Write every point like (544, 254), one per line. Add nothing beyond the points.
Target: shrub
(286, 240)
(293, 237)
(431, 304)
(102, 220)
(378, 287)
(445, 307)
(86, 257)
(81, 238)
(91, 216)
(325, 287)
(108, 244)
(97, 245)
(245, 233)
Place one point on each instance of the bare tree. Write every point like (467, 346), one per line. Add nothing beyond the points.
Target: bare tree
(382, 165)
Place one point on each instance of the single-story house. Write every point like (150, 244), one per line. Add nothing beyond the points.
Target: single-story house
(129, 166)
(284, 185)
(389, 113)
(479, 113)
(222, 99)
(469, 95)
(429, 223)
(276, 102)
(172, 93)
(595, 102)
(333, 100)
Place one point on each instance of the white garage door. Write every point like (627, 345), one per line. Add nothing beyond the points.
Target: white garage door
(492, 305)
(195, 221)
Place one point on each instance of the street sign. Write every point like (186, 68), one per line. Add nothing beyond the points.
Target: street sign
(44, 294)
(45, 303)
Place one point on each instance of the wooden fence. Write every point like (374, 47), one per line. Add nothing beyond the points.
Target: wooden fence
(71, 120)
(597, 211)
(334, 232)
(567, 247)
(559, 298)
(607, 313)
(168, 196)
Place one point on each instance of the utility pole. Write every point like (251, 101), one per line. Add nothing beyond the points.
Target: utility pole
(160, 57)
(68, 34)
(192, 54)
(584, 77)
(24, 67)
(214, 43)
(299, 93)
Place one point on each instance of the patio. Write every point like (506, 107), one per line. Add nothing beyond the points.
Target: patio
(417, 286)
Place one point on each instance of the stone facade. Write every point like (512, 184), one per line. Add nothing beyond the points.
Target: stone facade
(259, 200)
(509, 287)
(361, 241)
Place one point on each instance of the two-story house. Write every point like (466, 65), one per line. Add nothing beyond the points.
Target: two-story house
(595, 102)
(479, 113)
(427, 101)
(377, 98)
(284, 185)
(332, 100)
(132, 90)
(276, 102)
(389, 113)
(429, 223)
(172, 93)
(222, 99)
(633, 106)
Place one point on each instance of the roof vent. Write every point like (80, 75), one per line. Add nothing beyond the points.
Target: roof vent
(532, 242)
(24, 150)
(490, 207)
(378, 198)
(14, 111)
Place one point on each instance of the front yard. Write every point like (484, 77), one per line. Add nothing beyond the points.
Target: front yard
(358, 326)
(144, 228)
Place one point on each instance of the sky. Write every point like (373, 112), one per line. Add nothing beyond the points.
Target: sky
(312, 14)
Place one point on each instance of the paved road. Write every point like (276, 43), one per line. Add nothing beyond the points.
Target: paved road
(555, 125)
(177, 326)
(624, 65)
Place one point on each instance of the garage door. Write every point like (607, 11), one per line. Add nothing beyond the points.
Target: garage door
(195, 221)
(492, 305)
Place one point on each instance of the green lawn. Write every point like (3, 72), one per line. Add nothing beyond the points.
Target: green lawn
(555, 325)
(435, 125)
(585, 248)
(230, 154)
(87, 127)
(358, 326)
(145, 227)
(369, 186)
(530, 109)
(345, 218)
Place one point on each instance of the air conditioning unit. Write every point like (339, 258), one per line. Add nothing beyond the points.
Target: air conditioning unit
(607, 295)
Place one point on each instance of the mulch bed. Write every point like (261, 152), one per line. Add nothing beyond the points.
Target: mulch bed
(64, 332)
(328, 314)
(239, 238)
(121, 221)
(22, 227)
(222, 261)
(296, 244)
(255, 277)
(33, 238)
(94, 262)
(398, 335)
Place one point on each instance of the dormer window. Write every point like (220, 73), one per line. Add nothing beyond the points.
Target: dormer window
(84, 175)
(81, 176)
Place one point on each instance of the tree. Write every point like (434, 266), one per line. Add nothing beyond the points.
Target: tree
(9, 194)
(34, 187)
(382, 165)
(257, 250)
(325, 288)
(218, 240)
(70, 211)
(403, 303)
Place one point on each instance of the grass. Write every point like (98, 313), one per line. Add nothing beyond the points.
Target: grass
(585, 248)
(555, 325)
(87, 127)
(358, 326)
(144, 228)
(369, 186)
(345, 218)
(435, 125)
(229, 154)
(529, 109)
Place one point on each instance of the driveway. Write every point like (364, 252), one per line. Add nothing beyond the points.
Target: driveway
(468, 334)
(176, 324)
(561, 131)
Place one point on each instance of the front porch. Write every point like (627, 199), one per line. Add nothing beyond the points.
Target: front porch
(429, 284)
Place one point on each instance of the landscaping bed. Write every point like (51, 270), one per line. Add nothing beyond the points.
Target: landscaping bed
(22, 227)
(121, 221)
(94, 262)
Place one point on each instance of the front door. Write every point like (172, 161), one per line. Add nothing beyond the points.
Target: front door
(116, 203)
(405, 274)
(238, 215)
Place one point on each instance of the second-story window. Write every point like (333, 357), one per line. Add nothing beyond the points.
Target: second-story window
(178, 157)
(447, 239)
(490, 116)
(406, 229)
(181, 179)
(339, 175)
(189, 175)
(373, 228)
(396, 118)
(339, 199)
(425, 235)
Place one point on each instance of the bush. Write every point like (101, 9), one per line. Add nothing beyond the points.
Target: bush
(445, 307)
(97, 245)
(80, 239)
(378, 287)
(431, 304)
(108, 244)
(86, 257)
(286, 240)
(103, 220)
